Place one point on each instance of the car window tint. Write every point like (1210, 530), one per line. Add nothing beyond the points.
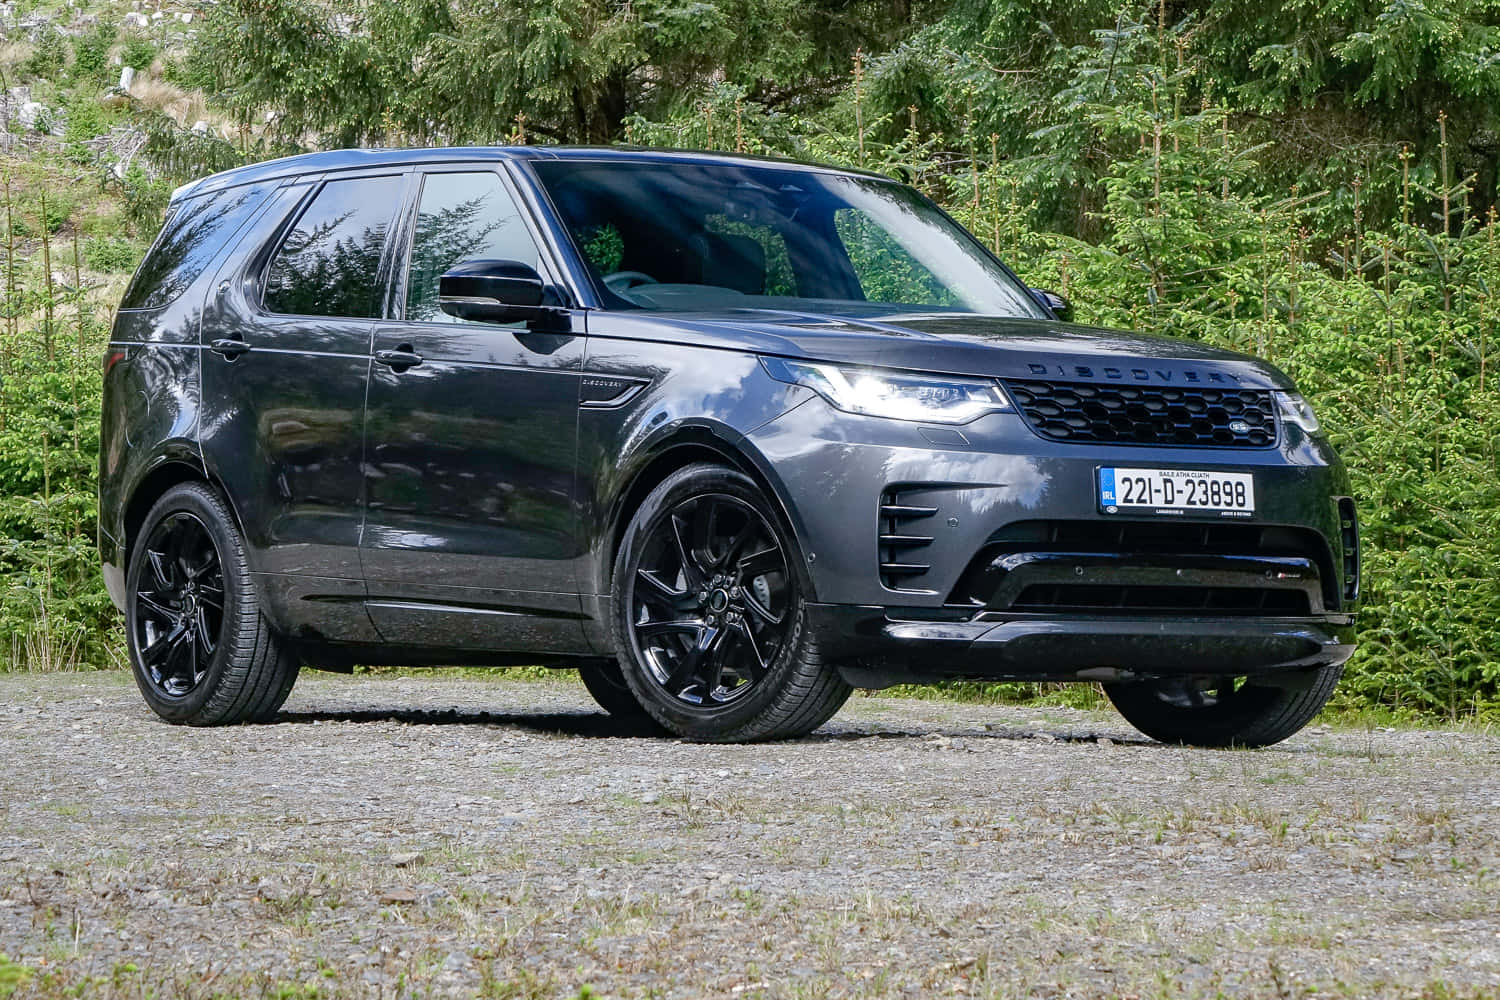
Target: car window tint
(763, 266)
(461, 217)
(328, 264)
(887, 272)
(194, 233)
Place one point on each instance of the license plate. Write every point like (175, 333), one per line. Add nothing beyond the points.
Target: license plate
(1176, 491)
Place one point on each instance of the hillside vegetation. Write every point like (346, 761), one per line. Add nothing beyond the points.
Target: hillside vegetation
(1313, 182)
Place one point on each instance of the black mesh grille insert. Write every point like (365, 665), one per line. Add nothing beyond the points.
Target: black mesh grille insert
(1190, 416)
(1123, 600)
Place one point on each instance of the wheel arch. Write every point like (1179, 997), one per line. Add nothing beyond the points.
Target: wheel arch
(684, 447)
(171, 470)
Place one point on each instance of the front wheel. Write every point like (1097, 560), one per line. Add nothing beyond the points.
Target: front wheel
(1222, 712)
(709, 615)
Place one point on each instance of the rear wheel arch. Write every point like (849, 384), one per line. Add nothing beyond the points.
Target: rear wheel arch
(170, 472)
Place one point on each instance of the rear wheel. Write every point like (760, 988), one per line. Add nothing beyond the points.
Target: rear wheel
(1222, 712)
(709, 615)
(606, 685)
(202, 652)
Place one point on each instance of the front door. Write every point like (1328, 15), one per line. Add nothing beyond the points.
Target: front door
(470, 536)
(286, 358)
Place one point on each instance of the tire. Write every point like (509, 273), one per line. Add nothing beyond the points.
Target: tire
(200, 646)
(710, 618)
(1178, 711)
(606, 685)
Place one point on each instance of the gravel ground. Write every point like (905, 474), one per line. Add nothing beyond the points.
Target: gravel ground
(452, 835)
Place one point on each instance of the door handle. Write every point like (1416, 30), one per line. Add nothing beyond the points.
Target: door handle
(402, 358)
(228, 348)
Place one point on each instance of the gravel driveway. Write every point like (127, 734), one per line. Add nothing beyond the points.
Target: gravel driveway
(442, 835)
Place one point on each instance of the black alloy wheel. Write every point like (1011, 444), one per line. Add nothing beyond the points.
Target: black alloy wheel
(179, 605)
(201, 647)
(711, 600)
(709, 614)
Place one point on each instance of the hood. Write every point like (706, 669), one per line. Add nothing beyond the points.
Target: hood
(994, 346)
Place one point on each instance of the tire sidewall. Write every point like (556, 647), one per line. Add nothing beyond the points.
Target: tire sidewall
(722, 722)
(193, 499)
(1255, 716)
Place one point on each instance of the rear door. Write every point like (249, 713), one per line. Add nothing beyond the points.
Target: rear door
(286, 355)
(471, 537)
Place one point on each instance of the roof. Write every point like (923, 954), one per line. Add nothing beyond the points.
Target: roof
(361, 159)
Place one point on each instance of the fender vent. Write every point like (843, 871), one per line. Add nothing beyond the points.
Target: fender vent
(901, 541)
(1349, 536)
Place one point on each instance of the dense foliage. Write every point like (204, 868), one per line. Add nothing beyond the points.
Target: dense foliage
(1309, 181)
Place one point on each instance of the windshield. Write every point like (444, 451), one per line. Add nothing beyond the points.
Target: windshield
(697, 237)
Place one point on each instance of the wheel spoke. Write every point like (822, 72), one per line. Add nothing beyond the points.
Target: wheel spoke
(759, 610)
(176, 546)
(738, 543)
(149, 603)
(159, 574)
(163, 644)
(760, 563)
(713, 665)
(705, 516)
(653, 630)
(207, 567)
(747, 639)
(660, 594)
(689, 663)
(692, 573)
(203, 635)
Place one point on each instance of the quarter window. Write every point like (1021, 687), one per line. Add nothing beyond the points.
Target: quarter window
(193, 234)
(461, 217)
(330, 262)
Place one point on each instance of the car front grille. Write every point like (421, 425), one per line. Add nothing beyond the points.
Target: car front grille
(1182, 416)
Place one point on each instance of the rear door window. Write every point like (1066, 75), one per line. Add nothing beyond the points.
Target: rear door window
(461, 217)
(329, 264)
(194, 233)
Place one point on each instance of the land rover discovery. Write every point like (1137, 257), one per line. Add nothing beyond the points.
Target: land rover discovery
(731, 436)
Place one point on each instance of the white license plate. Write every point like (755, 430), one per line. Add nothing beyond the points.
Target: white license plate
(1176, 491)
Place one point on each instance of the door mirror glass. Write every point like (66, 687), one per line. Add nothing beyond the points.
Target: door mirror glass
(1061, 307)
(495, 291)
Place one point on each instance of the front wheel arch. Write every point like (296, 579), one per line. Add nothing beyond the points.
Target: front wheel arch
(693, 445)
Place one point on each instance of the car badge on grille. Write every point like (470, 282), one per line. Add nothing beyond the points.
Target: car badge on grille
(1239, 427)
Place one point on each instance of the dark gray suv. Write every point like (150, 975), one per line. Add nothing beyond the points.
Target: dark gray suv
(730, 436)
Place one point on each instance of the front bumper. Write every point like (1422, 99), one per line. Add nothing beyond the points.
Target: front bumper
(845, 481)
(876, 648)
(1006, 567)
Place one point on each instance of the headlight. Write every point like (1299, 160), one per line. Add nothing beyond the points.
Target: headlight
(876, 392)
(1296, 410)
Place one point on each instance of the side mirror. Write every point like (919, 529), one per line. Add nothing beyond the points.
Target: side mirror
(495, 291)
(1060, 307)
